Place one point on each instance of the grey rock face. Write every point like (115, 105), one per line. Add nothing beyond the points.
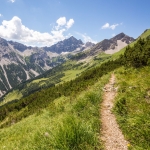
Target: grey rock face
(111, 43)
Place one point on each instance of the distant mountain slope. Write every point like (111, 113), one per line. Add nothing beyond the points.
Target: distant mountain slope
(15, 68)
(113, 45)
(107, 46)
(144, 35)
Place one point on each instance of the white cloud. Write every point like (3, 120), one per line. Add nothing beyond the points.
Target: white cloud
(86, 38)
(1, 15)
(61, 22)
(108, 26)
(114, 26)
(15, 30)
(12, 1)
(105, 26)
(70, 23)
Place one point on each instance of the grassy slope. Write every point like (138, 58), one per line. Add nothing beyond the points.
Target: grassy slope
(132, 106)
(70, 75)
(11, 96)
(93, 62)
(145, 34)
(67, 122)
(16, 94)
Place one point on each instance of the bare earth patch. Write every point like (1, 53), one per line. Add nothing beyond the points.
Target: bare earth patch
(111, 134)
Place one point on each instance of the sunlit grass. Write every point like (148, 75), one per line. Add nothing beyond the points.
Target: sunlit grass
(132, 106)
(71, 74)
(67, 123)
(145, 34)
(14, 95)
(38, 80)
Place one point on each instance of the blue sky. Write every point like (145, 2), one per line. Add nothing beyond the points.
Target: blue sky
(45, 22)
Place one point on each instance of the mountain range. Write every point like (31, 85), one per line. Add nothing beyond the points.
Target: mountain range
(19, 62)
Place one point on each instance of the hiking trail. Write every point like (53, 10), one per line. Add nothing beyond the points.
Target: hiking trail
(111, 134)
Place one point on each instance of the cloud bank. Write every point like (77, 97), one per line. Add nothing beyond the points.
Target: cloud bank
(108, 26)
(15, 30)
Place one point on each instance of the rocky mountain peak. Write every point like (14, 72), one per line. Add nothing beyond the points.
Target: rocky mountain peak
(67, 45)
(118, 36)
(73, 40)
(123, 37)
(114, 44)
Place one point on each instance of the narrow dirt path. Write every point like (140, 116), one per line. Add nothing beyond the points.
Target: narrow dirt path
(111, 134)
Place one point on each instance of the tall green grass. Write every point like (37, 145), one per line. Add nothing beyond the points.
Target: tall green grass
(68, 123)
(74, 134)
(132, 106)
